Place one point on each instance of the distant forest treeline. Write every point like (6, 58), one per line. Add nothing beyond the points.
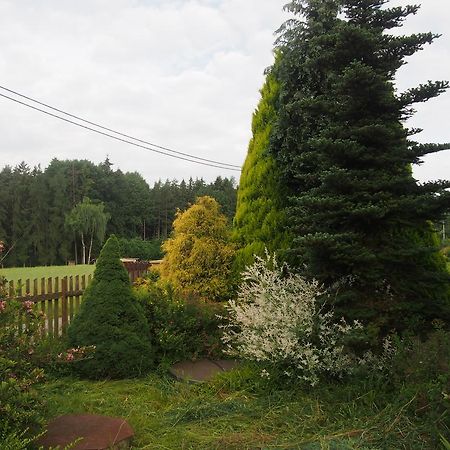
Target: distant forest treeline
(34, 204)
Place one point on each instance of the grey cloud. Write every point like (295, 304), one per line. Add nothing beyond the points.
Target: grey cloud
(184, 74)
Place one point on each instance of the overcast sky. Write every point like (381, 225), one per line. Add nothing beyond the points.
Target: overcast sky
(184, 74)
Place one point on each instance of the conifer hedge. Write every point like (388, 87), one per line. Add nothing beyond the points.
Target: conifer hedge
(260, 217)
(111, 320)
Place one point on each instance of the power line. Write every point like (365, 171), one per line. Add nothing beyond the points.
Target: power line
(188, 157)
(114, 137)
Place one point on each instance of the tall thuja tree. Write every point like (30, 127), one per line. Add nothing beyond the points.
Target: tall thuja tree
(260, 219)
(359, 217)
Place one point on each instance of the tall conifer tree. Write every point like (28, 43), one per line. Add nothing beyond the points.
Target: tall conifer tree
(260, 221)
(357, 213)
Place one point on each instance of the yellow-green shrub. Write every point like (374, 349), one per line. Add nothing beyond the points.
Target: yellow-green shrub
(199, 254)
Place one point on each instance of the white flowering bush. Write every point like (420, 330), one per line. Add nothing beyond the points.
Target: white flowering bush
(277, 320)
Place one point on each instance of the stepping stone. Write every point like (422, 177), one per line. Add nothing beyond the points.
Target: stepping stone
(201, 370)
(226, 364)
(96, 432)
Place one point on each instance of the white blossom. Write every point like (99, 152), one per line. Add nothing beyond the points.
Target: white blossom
(277, 319)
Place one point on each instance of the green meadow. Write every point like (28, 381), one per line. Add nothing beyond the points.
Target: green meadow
(24, 273)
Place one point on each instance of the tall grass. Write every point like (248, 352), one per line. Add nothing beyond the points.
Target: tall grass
(235, 412)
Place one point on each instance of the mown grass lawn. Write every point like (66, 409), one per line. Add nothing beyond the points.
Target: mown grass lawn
(23, 273)
(223, 414)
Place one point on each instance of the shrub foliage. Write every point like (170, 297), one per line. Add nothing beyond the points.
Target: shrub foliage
(199, 255)
(181, 327)
(260, 220)
(112, 320)
(277, 320)
(20, 405)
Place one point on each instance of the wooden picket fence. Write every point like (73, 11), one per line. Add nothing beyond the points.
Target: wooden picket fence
(60, 298)
(136, 268)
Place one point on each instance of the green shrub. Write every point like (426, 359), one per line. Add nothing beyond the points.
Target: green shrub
(199, 255)
(277, 320)
(112, 320)
(20, 405)
(180, 327)
(421, 360)
(138, 248)
(421, 372)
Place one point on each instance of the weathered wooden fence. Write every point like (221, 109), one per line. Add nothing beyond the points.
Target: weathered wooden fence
(136, 268)
(60, 298)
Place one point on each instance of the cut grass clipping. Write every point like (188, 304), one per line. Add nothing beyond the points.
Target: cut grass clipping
(232, 412)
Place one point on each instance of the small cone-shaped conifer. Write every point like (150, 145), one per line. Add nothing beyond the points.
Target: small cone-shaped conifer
(112, 321)
(260, 221)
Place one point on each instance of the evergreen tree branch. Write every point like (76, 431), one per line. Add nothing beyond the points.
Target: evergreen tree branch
(425, 149)
(423, 93)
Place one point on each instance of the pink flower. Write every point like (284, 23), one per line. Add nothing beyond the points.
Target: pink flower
(2, 306)
(69, 357)
(28, 305)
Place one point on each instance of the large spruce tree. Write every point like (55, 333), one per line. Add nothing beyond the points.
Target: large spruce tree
(260, 220)
(360, 219)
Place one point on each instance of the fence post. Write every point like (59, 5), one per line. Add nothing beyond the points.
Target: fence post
(12, 291)
(64, 304)
(56, 309)
(71, 298)
(43, 307)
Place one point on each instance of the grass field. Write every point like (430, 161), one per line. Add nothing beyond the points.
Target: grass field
(224, 414)
(23, 273)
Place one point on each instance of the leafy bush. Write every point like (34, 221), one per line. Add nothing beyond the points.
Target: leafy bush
(276, 320)
(180, 327)
(199, 255)
(20, 405)
(138, 248)
(419, 376)
(424, 359)
(113, 321)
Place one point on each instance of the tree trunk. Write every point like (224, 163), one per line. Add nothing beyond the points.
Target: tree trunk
(84, 248)
(90, 248)
(75, 248)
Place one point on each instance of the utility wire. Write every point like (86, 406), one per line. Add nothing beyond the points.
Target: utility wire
(214, 163)
(116, 132)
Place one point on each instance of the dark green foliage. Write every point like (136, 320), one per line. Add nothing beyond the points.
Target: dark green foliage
(35, 202)
(168, 197)
(181, 327)
(358, 216)
(112, 320)
(138, 248)
(260, 221)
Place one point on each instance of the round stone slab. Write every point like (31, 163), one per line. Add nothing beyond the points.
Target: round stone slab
(96, 432)
(226, 364)
(201, 370)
